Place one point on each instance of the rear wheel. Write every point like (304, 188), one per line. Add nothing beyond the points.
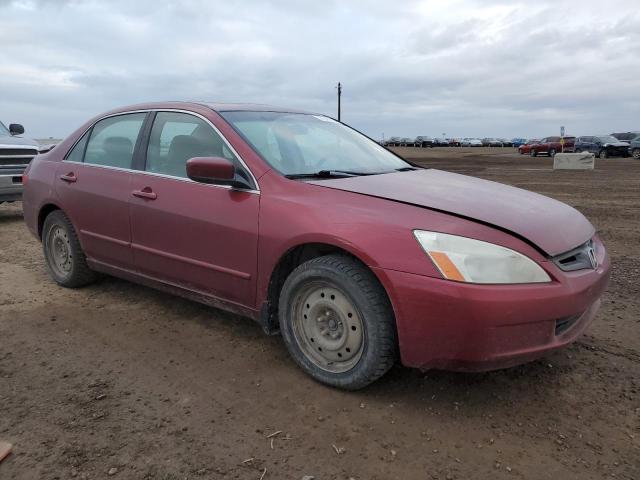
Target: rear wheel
(578, 150)
(65, 259)
(635, 153)
(533, 153)
(552, 152)
(603, 154)
(337, 322)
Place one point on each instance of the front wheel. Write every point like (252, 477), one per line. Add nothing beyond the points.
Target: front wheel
(533, 153)
(552, 152)
(635, 153)
(65, 259)
(603, 154)
(337, 322)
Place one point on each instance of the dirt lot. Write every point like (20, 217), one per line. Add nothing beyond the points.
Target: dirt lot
(120, 381)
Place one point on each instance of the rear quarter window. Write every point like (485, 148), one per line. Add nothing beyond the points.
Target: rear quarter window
(76, 154)
(112, 140)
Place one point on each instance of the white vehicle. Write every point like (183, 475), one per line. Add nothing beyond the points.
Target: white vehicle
(471, 142)
(16, 152)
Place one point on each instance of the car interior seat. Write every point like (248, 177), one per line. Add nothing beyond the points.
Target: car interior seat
(118, 151)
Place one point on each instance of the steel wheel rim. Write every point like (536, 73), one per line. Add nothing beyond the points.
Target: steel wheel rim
(327, 327)
(59, 251)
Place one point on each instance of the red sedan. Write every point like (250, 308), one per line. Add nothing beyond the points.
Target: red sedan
(314, 230)
(525, 148)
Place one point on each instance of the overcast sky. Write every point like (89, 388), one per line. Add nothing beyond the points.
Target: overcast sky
(464, 68)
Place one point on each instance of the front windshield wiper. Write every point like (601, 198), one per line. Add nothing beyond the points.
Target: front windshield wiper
(406, 169)
(329, 174)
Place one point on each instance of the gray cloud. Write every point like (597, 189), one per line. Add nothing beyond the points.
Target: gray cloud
(465, 68)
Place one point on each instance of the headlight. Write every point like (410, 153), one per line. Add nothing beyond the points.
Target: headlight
(468, 260)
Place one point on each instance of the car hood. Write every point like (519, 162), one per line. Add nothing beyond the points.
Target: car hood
(11, 140)
(552, 226)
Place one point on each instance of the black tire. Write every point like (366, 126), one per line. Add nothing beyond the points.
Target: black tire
(635, 153)
(552, 152)
(79, 274)
(603, 154)
(577, 150)
(533, 153)
(357, 283)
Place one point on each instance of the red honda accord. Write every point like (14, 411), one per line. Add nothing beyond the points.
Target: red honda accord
(314, 230)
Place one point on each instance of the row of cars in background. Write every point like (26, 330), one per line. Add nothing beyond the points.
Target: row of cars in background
(16, 151)
(602, 146)
(428, 142)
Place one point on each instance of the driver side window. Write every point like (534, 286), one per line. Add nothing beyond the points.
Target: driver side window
(177, 137)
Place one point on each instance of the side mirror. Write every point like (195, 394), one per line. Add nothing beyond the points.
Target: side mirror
(215, 170)
(16, 129)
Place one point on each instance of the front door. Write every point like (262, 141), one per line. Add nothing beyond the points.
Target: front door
(201, 237)
(93, 186)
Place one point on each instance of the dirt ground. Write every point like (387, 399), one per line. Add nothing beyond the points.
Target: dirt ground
(120, 381)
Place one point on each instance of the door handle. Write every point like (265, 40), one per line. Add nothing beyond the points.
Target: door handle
(69, 177)
(145, 193)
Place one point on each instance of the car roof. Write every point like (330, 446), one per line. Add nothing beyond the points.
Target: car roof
(215, 106)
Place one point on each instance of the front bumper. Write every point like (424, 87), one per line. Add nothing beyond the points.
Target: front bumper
(11, 185)
(618, 151)
(469, 327)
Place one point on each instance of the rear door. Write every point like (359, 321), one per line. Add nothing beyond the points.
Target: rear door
(589, 144)
(93, 186)
(198, 236)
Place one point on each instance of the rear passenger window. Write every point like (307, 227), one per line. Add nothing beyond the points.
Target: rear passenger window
(177, 137)
(113, 139)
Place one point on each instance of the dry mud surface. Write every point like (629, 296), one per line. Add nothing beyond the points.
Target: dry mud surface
(120, 381)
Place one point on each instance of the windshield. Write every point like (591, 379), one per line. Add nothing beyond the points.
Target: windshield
(295, 143)
(608, 139)
(3, 129)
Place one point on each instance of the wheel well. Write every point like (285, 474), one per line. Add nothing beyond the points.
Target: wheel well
(288, 263)
(44, 213)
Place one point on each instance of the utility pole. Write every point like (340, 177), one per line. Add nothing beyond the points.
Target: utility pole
(339, 95)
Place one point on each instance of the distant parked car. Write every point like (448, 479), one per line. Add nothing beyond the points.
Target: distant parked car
(406, 142)
(516, 142)
(440, 142)
(491, 142)
(626, 136)
(525, 148)
(16, 151)
(470, 142)
(423, 141)
(634, 148)
(552, 145)
(602, 146)
(393, 142)
(454, 142)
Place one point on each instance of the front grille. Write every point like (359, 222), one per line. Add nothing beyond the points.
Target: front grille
(579, 258)
(23, 159)
(564, 324)
(10, 152)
